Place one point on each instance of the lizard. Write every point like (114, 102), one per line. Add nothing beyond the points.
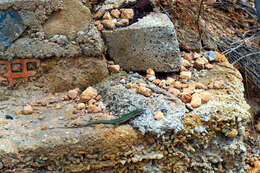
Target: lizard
(117, 121)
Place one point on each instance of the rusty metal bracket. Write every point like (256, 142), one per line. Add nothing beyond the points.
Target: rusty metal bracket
(23, 72)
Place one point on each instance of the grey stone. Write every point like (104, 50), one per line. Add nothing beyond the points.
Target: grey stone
(210, 55)
(122, 100)
(11, 27)
(149, 43)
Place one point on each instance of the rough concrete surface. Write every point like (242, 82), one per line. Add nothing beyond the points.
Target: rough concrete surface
(149, 43)
(54, 29)
(55, 75)
(209, 141)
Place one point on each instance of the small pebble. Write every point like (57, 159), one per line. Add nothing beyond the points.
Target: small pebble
(187, 56)
(93, 109)
(220, 57)
(114, 68)
(43, 127)
(201, 62)
(88, 94)
(108, 24)
(115, 13)
(186, 98)
(72, 94)
(177, 84)
(186, 63)
(205, 96)
(27, 110)
(199, 85)
(170, 81)
(195, 100)
(99, 97)
(98, 14)
(122, 22)
(210, 55)
(80, 106)
(158, 115)
(127, 13)
(174, 91)
(107, 16)
(156, 81)
(150, 72)
(162, 84)
(92, 101)
(144, 91)
(209, 66)
(185, 75)
(122, 81)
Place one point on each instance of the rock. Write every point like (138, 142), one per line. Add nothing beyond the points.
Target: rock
(158, 115)
(92, 102)
(98, 14)
(73, 94)
(93, 109)
(186, 63)
(220, 57)
(136, 47)
(177, 84)
(156, 81)
(72, 18)
(185, 75)
(80, 106)
(187, 56)
(205, 96)
(170, 81)
(122, 22)
(210, 55)
(150, 72)
(88, 94)
(99, 97)
(43, 127)
(183, 69)
(186, 98)
(199, 85)
(195, 100)
(144, 91)
(200, 63)
(107, 16)
(188, 91)
(127, 13)
(108, 24)
(174, 91)
(162, 84)
(115, 13)
(114, 68)
(27, 110)
(209, 66)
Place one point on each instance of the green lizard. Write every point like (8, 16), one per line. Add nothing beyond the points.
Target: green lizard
(117, 121)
